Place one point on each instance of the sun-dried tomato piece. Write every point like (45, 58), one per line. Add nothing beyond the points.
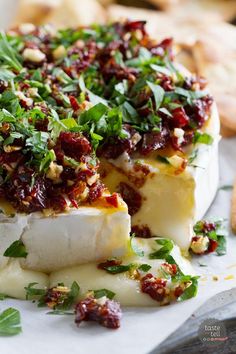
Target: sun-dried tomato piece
(132, 198)
(96, 191)
(199, 111)
(213, 244)
(153, 141)
(113, 200)
(154, 287)
(180, 118)
(178, 291)
(108, 314)
(74, 103)
(134, 26)
(74, 145)
(142, 231)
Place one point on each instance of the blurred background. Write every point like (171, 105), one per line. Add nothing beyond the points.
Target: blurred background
(204, 32)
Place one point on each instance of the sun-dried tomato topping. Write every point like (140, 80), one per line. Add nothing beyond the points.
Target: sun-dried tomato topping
(154, 287)
(56, 296)
(170, 268)
(104, 90)
(107, 314)
(24, 197)
(132, 198)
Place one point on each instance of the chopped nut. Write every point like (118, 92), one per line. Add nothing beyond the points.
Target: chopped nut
(54, 172)
(59, 52)
(179, 134)
(200, 244)
(10, 148)
(27, 28)
(34, 55)
(176, 161)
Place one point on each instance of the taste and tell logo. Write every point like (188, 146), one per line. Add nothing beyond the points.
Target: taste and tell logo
(212, 332)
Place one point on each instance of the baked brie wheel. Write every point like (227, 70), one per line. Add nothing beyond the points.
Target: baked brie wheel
(100, 128)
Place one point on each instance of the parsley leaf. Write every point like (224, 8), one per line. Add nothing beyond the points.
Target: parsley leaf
(116, 269)
(10, 322)
(158, 93)
(6, 75)
(103, 292)
(16, 250)
(221, 249)
(164, 251)
(190, 291)
(190, 95)
(8, 55)
(226, 187)
(144, 267)
(135, 249)
(3, 296)
(202, 138)
(31, 291)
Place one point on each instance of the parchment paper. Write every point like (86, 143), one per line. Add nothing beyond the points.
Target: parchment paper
(141, 329)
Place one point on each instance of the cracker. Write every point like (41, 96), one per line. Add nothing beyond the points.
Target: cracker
(34, 11)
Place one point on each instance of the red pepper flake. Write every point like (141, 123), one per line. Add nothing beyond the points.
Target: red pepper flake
(107, 314)
(154, 287)
(113, 200)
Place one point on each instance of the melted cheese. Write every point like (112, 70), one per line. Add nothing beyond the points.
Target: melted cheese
(13, 278)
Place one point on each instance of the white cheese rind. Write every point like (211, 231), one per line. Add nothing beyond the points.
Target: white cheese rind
(87, 234)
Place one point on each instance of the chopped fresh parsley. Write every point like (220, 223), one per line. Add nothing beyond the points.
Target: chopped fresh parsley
(116, 269)
(145, 267)
(103, 292)
(10, 322)
(226, 187)
(158, 93)
(202, 138)
(16, 250)
(164, 251)
(190, 291)
(135, 249)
